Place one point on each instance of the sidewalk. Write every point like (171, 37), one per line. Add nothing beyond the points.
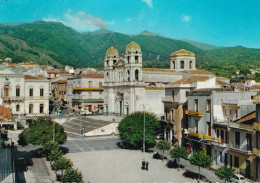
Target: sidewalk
(209, 174)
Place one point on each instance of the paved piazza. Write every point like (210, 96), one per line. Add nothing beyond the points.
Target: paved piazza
(124, 166)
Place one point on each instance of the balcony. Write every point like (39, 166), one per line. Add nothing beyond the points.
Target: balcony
(241, 126)
(219, 142)
(198, 135)
(256, 126)
(242, 149)
(168, 99)
(194, 113)
(256, 151)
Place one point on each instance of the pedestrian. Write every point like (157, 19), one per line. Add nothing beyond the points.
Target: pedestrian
(147, 163)
(143, 164)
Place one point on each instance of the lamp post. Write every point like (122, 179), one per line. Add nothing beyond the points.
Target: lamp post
(143, 106)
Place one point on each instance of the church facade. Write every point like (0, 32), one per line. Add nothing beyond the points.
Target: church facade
(129, 88)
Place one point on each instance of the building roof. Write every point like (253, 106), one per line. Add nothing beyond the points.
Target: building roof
(254, 87)
(221, 78)
(112, 52)
(190, 80)
(53, 71)
(182, 52)
(157, 70)
(222, 83)
(207, 90)
(64, 72)
(154, 88)
(30, 77)
(133, 47)
(247, 118)
(92, 75)
(197, 71)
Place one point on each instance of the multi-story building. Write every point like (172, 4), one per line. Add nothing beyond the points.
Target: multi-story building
(24, 94)
(209, 113)
(129, 88)
(59, 90)
(85, 93)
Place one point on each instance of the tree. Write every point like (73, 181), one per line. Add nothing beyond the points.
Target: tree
(71, 175)
(54, 155)
(49, 146)
(131, 129)
(41, 130)
(61, 163)
(225, 173)
(179, 152)
(163, 145)
(200, 159)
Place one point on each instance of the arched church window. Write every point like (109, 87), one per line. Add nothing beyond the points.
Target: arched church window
(136, 75)
(182, 64)
(173, 64)
(107, 62)
(128, 75)
(190, 64)
(136, 59)
(114, 61)
(128, 59)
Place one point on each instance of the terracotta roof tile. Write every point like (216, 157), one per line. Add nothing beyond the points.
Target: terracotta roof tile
(154, 88)
(92, 75)
(157, 70)
(221, 78)
(197, 71)
(30, 77)
(190, 80)
(247, 118)
(222, 83)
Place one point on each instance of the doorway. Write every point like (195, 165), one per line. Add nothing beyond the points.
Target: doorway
(247, 169)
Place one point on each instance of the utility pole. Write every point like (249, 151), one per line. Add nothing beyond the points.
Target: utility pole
(144, 132)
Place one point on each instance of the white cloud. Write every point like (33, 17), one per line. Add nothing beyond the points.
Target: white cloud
(81, 21)
(186, 18)
(128, 20)
(149, 3)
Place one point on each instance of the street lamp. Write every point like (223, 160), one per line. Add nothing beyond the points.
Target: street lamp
(143, 106)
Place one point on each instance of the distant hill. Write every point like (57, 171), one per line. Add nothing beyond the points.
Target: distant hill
(57, 44)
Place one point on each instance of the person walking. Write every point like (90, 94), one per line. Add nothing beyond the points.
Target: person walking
(146, 164)
(143, 164)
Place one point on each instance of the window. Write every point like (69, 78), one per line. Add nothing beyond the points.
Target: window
(6, 91)
(182, 64)
(208, 105)
(107, 62)
(237, 138)
(222, 134)
(17, 108)
(190, 64)
(18, 91)
(41, 108)
(90, 84)
(136, 59)
(236, 161)
(128, 59)
(173, 96)
(31, 92)
(173, 64)
(136, 75)
(90, 95)
(31, 108)
(41, 92)
(128, 75)
(100, 84)
(220, 157)
(197, 126)
(209, 128)
(127, 110)
(114, 61)
(217, 133)
(196, 105)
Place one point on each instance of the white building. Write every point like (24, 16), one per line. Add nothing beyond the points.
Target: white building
(128, 87)
(24, 94)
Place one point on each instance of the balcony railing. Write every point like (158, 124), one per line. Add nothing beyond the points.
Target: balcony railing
(194, 134)
(196, 113)
(240, 126)
(167, 99)
(244, 149)
(256, 125)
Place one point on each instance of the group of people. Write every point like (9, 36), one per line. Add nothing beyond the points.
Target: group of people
(145, 165)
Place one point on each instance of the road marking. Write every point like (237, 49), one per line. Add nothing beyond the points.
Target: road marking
(88, 146)
(77, 146)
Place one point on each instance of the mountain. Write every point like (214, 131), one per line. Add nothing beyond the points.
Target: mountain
(200, 45)
(56, 44)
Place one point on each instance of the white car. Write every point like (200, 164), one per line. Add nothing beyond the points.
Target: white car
(239, 179)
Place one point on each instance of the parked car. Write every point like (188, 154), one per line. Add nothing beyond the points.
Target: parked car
(239, 179)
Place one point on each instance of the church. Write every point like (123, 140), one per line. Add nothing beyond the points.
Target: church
(128, 87)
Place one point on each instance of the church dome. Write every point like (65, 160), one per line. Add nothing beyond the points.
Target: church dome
(182, 52)
(133, 47)
(112, 52)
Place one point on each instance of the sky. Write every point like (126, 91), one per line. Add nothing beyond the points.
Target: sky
(217, 22)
